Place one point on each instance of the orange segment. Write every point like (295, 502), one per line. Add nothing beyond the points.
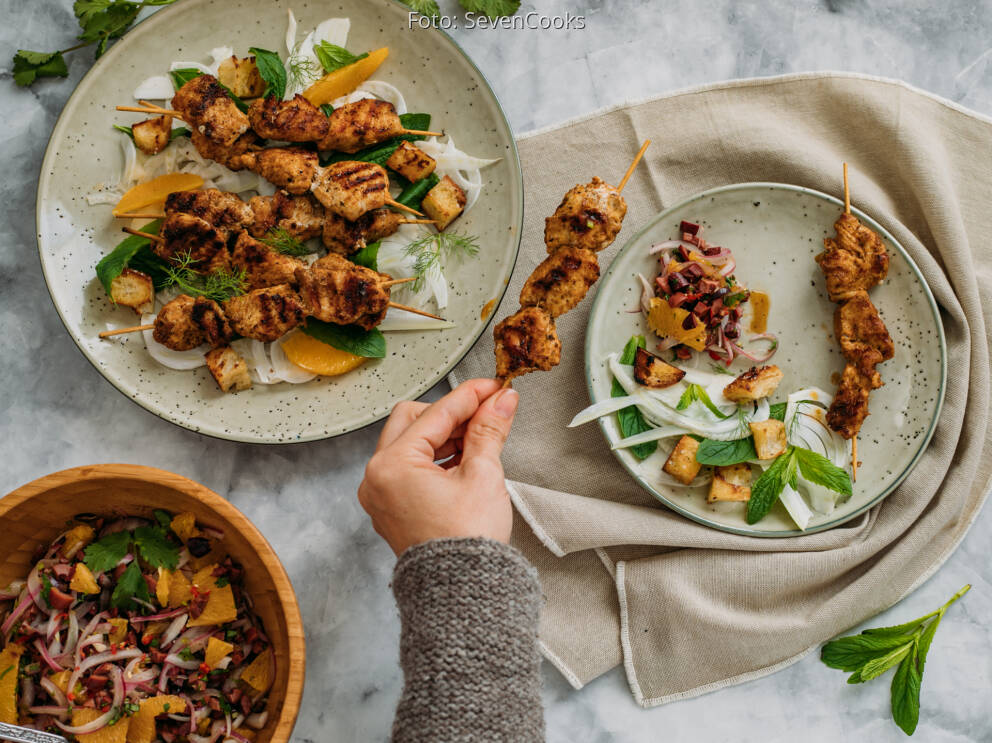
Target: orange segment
(319, 358)
(154, 191)
(345, 80)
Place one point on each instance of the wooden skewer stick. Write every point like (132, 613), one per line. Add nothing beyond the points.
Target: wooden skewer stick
(854, 438)
(414, 310)
(404, 207)
(147, 110)
(630, 170)
(847, 193)
(418, 221)
(396, 282)
(507, 383)
(146, 235)
(121, 331)
(422, 133)
(139, 215)
(165, 111)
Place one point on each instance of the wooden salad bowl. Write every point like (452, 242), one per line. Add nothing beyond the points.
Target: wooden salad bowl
(34, 514)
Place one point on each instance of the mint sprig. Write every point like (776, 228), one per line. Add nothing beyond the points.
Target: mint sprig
(813, 467)
(696, 393)
(333, 57)
(271, 70)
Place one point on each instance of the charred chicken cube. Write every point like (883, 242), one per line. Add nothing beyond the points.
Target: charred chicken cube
(152, 135)
(754, 384)
(855, 260)
(227, 155)
(769, 438)
(561, 280)
(228, 369)
(265, 314)
(208, 109)
(210, 318)
(287, 167)
(681, 463)
(863, 338)
(219, 208)
(444, 202)
(175, 327)
(590, 216)
(297, 120)
(731, 483)
(351, 188)
(411, 162)
(654, 372)
(262, 265)
(190, 236)
(360, 124)
(344, 237)
(300, 216)
(336, 290)
(133, 289)
(526, 341)
(849, 409)
(241, 76)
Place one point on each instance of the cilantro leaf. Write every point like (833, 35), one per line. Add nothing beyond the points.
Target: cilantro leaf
(491, 8)
(28, 66)
(631, 420)
(111, 22)
(819, 470)
(163, 517)
(104, 554)
(768, 487)
(155, 547)
(130, 586)
(271, 69)
(424, 7)
(333, 57)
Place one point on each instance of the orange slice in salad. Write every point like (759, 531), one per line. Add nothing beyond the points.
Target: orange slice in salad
(116, 733)
(153, 192)
(10, 657)
(142, 725)
(345, 80)
(258, 674)
(319, 358)
(667, 321)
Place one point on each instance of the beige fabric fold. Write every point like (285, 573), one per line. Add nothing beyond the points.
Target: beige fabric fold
(686, 608)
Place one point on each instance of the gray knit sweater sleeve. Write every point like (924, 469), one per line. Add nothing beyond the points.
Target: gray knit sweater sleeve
(468, 646)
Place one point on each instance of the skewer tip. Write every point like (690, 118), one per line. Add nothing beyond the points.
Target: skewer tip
(637, 159)
(847, 193)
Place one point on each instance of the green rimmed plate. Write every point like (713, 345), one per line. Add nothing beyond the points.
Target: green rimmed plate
(774, 230)
(434, 75)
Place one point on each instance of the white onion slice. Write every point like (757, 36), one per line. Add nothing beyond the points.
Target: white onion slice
(384, 91)
(796, 506)
(155, 88)
(285, 369)
(178, 360)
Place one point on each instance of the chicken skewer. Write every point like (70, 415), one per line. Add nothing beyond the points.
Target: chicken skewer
(587, 220)
(854, 438)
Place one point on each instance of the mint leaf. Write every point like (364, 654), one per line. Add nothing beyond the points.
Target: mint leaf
(271, 69)
(819, 470)
(183, 75)
(333, 57)
(906, 693)
(491, 8)
(368, 343)
(630, 419)
(130, 586)
(104, 554)
(113, 264)
(696, 393)
(877, 666)
(155, 547)
(851, 653)
(777, 411)
(413, 194)
(368, 256)
(768, 487)
(726, 453)
(28, 66)
(379, 153)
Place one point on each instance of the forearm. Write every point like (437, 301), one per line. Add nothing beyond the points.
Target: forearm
(469, 611)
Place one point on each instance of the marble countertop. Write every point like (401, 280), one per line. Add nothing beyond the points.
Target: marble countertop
(57, 412)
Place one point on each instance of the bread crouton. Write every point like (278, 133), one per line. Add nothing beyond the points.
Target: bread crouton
(228, 369)
(681, 463)
(133, 289)
(444, 202)
(769, 438)
(754, 384)
(152, 135)
(731, 483)
(653, 372)
(241, 76)
(411, 162)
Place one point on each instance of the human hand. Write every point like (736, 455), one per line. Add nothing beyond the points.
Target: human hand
(411, 499)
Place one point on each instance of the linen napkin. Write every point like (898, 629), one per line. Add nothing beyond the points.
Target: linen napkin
(688, 609)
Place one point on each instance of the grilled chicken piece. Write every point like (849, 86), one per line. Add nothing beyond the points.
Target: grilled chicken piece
(241, 76)
(175, 327)
(221, 209)
(301, 216)
(262, 265)
(287, 167)
(653, 372)
(210, 318)
(337, 291)
(297, 120)
(561, 280)
(850, 406)
(754, 384)
(228, 369)
(344, 237)
(360, 124)
(864, 340)
(152, 135)
(855, 260)
(187, 233)
(133, 289)
(209, 110)
(351, 188)
(590, 216)
(265, 314)
(411, 162)
(526, 341)
(444, 202)
(226, 155)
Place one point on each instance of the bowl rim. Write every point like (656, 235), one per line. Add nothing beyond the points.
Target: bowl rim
(289, 606)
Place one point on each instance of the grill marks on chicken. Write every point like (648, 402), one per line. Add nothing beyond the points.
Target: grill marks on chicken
(360, 124)
(220, 208)
(209, 110)
(526, 341)
(338, 291)
(345, 237)
(192, 236)
(262, 265)
(175, 327)
(351, 188)
(561, 281)
(265, 314)
(226, 155)
(290, 168)
(863, 338)
(590, 216)
(297, 120)
(855, 260)
(300, 216)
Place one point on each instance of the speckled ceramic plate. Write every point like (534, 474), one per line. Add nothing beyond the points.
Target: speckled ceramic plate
(434, 76)
(774, 231)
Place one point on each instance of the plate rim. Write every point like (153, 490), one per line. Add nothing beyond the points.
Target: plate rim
(43, 185)
(928, 294)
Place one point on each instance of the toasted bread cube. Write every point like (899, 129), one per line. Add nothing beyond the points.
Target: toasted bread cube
(133, 289)
(411, 162)
(754, 384)
(228, 369)
(681, 463)
(731, 483)
(769, 438)
(241, 76)
(152, 135)
(654, 372)
(444, 202)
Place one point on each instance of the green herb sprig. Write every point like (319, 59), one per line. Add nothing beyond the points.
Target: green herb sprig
(786, 468)
(696, 393)
(434, 248)
(874, 651)
(271, 70)
(283, 241)
(370, 344)
(631, 419)
(333, 57)
(217, 285)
